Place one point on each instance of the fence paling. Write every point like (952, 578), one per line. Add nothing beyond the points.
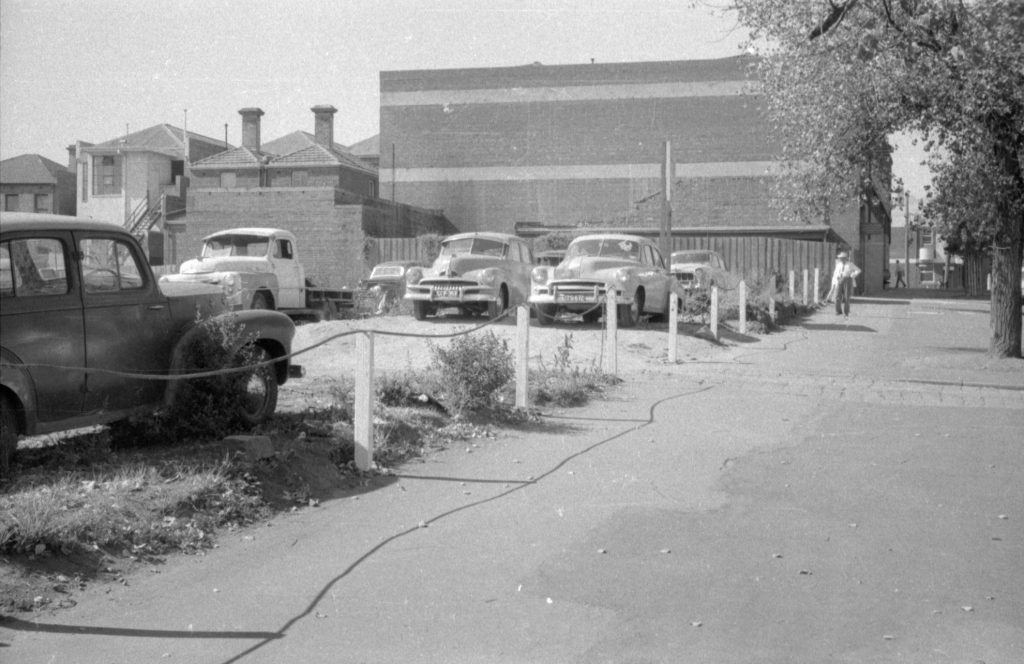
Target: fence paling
(612, 317)
(522, 356)
(362, 416)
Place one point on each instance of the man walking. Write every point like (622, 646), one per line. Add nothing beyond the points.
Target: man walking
(899, 276)
(843, 280)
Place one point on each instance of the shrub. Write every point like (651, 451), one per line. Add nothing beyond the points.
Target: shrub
(565, 383)
(473, 369)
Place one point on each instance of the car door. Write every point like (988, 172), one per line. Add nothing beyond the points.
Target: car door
(42, 325)
(656, 280)
(127, 324)
(290, 282)
(522, 266)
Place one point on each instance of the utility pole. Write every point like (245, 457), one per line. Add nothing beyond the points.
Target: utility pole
(667, 178)
(906, 237)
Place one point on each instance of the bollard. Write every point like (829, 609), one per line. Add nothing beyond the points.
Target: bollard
(673, 325)
(742, 307)
(714, 312)
(804, 300)
(817, 277)
(612, 317)
(792, 285)
(362, 417)
(522, 356)
(771, 297)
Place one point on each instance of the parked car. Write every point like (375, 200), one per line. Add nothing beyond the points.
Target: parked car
(633, 265)
(81, 313)
(697, 268)
(387, 282)
(476, 272)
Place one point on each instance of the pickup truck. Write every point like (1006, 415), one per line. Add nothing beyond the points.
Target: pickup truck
(258, 268)
(87, 336)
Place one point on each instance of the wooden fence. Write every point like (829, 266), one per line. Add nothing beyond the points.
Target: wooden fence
(748, 256)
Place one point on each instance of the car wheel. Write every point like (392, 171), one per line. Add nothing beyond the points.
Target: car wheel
(629, 314)
(259, 397)
(8, 435)
(498, 307)
(260, 301)
(545, 313)
(420, 310)
(593, 315)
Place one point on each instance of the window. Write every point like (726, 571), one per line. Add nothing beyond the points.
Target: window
(85, 185)
(926, 235)
(10, 202)
(228, 181)
(283, 249)
(372, 189)
(300, 178)
(33, 266)
(106, 175)
(109, 265)
(43, 203)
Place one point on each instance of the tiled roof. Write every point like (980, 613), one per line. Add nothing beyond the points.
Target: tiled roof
(162, 138)
(293, 142)
(369, 147)
(240, 157)
(318, 155)
(30, 169)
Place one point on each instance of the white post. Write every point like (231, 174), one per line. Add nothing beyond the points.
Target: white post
(817, 277)
(743, 307)
(673, 325)
(714, 312)
(771, 297)
(804, 301)
(522, 356)
(362, 418)
(792, 285)
(612, 316)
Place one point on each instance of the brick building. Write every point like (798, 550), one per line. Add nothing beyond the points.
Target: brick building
(583, 145)
(33, 183)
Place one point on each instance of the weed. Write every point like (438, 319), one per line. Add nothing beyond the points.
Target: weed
(473, 369)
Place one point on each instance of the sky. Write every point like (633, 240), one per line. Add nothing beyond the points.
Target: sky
(91, 70)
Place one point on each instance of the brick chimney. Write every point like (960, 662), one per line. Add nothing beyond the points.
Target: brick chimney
(251, 127)
(324, 125)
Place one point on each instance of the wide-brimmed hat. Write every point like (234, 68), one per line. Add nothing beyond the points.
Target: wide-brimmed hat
(843, 254)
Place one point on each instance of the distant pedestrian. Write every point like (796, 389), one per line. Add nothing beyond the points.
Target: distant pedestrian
(899, 276)
(843, 280)
(831, 295)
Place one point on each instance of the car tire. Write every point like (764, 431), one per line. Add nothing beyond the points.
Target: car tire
(593, 315)
(420, 310)
(260, 300)
(629, 314)
(545, 314)
(8, 435)
(259, 400)
(498, 307)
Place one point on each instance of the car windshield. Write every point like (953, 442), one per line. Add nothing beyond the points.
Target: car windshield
(474, 245)
(236, 245)
(691, 257)
(605, 247)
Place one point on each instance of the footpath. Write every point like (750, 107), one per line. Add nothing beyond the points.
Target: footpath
(844, 490)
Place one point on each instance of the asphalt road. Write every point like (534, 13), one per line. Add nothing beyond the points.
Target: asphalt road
(846, 491)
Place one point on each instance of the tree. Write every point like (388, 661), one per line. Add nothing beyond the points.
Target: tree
(839, 77)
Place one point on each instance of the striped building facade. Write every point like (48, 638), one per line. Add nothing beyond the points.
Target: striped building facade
(570, 144)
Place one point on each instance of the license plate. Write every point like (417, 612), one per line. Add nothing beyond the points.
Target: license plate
(447, 292)
(574, 297)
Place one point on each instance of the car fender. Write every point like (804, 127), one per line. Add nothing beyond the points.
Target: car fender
(257, 281)
(271, 330)
(16, 381)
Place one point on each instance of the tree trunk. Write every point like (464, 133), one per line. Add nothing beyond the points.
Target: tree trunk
(1005, 317)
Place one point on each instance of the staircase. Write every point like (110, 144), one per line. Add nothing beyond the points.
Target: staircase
(145, 216)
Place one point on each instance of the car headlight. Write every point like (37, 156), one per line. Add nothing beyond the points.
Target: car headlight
(232, 283)
(489, 277)
(700, 276)
(414, 275)
(624, 277)
(540, 275)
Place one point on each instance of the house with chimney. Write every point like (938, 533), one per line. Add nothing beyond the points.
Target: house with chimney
(33, 183)
(318, 190)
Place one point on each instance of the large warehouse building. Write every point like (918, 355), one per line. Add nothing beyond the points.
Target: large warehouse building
(570, 145)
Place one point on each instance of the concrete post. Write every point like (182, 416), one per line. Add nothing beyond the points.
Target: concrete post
(362, 418)
(792, 285)
(612, 317)
(714, 312)
(673, 326)
(522, 356)
(743, 307)
(817, 278)
(771, 297)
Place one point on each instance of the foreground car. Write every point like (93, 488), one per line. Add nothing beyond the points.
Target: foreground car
(631, 264)
(697, 268)
(476, 272)
(81, 314)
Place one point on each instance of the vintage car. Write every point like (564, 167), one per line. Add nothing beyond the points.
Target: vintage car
(630, 264)
(81, 316)
(697, 268)
(475, 272)
(386, 283)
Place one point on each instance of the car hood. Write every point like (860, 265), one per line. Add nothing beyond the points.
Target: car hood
(585, 267)
(227, 264)
(461, 265)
